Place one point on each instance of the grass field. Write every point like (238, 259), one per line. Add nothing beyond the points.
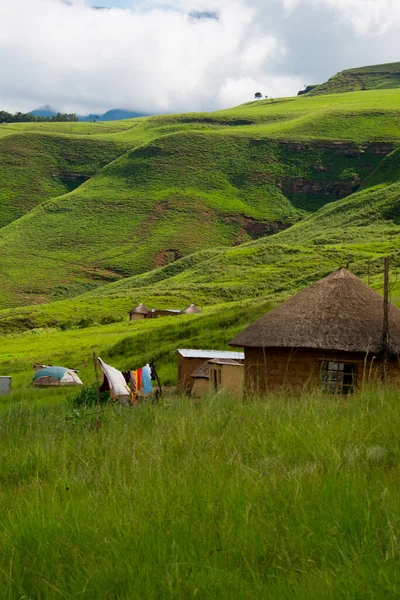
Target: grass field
(280, 498)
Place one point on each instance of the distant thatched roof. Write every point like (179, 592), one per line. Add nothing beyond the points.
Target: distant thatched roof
(339, 313)
(203, 372)
(192, 309)
(140, 309)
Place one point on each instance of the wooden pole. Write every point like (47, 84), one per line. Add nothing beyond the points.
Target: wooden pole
(98, 422)
(157, 378)
(385, 332)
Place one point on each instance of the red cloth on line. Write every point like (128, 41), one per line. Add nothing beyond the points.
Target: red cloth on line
(139, 379)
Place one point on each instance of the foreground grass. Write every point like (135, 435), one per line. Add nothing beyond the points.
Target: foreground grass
(280, 498)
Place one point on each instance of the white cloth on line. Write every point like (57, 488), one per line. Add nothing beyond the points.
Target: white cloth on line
(118, 386)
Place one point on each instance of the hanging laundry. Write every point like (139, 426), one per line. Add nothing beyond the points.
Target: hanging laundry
(118, 388)
(133, 382)
(146, 379)
(139, 380)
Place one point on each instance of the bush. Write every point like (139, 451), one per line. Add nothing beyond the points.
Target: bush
(87, 396)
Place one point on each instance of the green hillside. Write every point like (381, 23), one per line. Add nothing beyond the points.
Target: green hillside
(35, 168)
(188, 183)
(359, 230)
(375, 77)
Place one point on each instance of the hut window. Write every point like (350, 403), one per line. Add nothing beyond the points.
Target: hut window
(338, 377)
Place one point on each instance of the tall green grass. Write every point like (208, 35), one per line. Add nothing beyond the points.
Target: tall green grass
(277, 498)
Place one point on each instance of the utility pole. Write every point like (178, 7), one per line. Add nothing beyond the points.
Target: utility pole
(385, 332)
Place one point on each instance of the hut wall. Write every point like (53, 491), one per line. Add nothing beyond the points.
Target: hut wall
(160, 312)
(232, 379)
(227, 378)
(272, 369)
(186, 366)
(136, 317)
(200, 387)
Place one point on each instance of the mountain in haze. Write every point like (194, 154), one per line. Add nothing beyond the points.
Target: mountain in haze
(115, 114)
(119, 113)
(44, 111)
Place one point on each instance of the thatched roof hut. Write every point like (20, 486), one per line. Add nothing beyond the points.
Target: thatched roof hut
(332, 330)
(192, 309)
(140, 309)
(338, 313)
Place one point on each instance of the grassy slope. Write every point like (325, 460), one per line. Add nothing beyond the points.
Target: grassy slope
(37, 167)
(374, 77)
(193, 181)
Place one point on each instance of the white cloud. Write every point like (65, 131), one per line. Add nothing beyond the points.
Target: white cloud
(364, 16)
(155, 57)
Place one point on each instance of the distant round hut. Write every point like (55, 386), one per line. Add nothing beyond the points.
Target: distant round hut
(329, 336)
(139, 312)
(55, 377)
(192, 309)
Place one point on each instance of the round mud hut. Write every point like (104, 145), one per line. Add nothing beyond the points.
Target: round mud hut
(192, 309)
(139, 312)
(330, 336)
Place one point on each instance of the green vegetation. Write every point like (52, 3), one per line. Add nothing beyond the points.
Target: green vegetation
(242, 173)
(375, 77)
(18, 117)
(279, 498)
(35, 168)
(125, 344)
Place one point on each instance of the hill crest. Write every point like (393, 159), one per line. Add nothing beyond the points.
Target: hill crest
(373, 77)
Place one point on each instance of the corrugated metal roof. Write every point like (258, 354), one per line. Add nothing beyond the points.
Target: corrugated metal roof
(188, 353)
(226, 361)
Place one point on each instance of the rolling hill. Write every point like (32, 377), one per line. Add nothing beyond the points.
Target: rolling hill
(358, 230)
(179, 184)
(375, 77)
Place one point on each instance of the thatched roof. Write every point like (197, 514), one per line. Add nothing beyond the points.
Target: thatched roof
(203, 372)
(192, 309)
(339, 313)
(140, 309)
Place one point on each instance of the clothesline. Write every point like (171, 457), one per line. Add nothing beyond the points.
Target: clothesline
(127, 386)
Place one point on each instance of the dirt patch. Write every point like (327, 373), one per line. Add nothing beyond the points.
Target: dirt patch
(166, 257)
(251, 229)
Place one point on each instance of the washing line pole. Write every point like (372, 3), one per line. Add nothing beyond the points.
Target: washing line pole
(98, 422)
(385, 332)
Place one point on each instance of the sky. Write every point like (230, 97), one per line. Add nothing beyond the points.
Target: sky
(159, 56)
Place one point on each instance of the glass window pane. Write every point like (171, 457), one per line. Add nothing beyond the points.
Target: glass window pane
(338, 377)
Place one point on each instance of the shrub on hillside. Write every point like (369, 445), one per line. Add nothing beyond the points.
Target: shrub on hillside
(87, 397)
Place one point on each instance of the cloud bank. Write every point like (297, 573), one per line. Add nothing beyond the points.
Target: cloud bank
(183, 55)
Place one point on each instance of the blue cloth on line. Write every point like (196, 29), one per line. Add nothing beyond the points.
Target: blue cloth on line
(146, 380)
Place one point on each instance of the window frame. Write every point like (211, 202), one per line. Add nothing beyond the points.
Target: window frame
(336, 384)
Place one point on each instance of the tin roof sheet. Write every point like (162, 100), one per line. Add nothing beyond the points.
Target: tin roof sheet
(192, 353)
